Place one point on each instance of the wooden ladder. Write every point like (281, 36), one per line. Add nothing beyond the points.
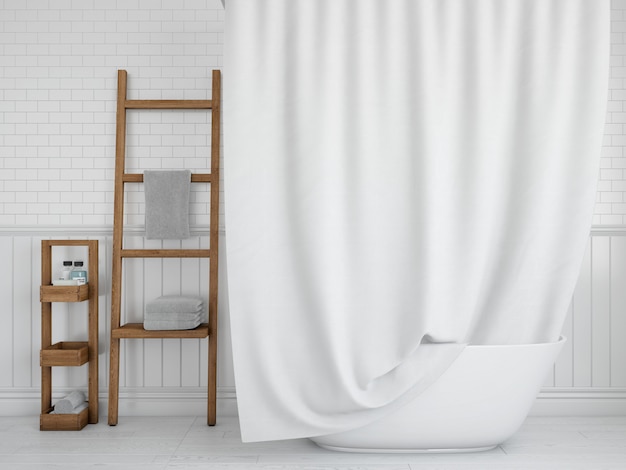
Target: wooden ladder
(136, 330)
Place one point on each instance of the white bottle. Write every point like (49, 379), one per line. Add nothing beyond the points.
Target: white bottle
(67, 269)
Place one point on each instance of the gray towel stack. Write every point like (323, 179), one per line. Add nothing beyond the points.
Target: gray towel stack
(73, 403)
(174, 312)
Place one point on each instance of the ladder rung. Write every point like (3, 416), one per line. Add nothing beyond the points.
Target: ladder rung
(183, 253)
(136, 330)
(168, 104)
(195, 178)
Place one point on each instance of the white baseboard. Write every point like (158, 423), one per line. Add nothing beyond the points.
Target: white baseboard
(580, 402)
(132, 401)
(192, 402)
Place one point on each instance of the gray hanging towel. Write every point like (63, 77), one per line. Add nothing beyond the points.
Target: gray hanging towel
(167, 203)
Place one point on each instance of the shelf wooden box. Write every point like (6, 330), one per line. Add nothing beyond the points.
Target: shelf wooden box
(65, 353)
(68, 353)
(63, 422)
(64, 293)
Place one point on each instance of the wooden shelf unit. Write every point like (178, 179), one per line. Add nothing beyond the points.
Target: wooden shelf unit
(68, 353)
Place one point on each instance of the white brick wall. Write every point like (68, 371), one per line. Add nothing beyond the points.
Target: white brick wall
(58, 78)
(611, 198)
(58, 63)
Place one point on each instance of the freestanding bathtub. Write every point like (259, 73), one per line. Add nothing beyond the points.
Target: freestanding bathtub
(478, 403)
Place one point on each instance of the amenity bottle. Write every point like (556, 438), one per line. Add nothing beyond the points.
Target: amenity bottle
(66, 270)
(79, 274)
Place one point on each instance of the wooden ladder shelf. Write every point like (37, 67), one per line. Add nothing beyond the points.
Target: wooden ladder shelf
(136, 330)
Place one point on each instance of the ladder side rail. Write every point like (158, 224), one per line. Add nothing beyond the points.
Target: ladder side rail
(93, 330)
(214, 242)
(46, 326)
(118, 234)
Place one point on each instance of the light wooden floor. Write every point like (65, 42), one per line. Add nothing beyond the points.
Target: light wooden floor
(141, 443)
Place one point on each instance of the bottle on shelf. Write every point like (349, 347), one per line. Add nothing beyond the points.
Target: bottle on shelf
(79, 274)
(66, 270)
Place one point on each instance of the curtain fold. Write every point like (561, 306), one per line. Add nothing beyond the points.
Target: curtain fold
(402, 178)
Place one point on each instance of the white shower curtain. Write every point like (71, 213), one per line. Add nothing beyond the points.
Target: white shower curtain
(402, 177)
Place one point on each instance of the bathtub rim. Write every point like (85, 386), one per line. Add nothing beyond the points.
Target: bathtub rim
(558, 345)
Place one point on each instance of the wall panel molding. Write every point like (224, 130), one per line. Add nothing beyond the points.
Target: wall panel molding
(74, 230)
(608, 230)
(163, 376)
(78, 230)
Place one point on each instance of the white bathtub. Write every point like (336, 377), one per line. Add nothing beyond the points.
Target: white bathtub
(478, 403)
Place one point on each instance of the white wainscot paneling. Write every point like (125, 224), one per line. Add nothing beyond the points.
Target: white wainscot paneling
(589, 376)
(169, 376)
(156, 376)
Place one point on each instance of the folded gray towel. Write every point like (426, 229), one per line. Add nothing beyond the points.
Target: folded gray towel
(171, 324)
(157, 316)
(74, 411)
(175, 304)
(167, 203)
(70, 402)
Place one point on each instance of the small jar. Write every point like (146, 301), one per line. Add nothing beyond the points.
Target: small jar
(66, 270)
(79, 274)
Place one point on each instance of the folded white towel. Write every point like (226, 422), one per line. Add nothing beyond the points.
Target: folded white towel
(173, 316)
(70, 403)
(175, 304)
(171, 324)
